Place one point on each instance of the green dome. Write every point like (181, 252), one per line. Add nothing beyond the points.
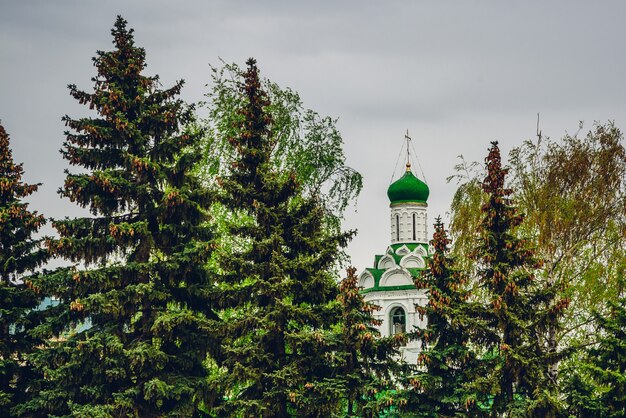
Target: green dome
(408, 188)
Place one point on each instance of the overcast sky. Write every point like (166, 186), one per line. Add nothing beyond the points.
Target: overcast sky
(455, 74)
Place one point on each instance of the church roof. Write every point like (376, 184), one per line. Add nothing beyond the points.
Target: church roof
(408, 188)
(378, 273)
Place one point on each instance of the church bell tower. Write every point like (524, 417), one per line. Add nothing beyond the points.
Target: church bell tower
(389, 283)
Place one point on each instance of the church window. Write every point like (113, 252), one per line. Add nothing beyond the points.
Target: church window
(414, 227)
(398, 227)
(398, 321)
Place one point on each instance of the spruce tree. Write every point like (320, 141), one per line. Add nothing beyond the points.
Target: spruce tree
(21, 254)
(140, 287)
(367, 362)
(439, 387)
(277, 286)
(513, 368)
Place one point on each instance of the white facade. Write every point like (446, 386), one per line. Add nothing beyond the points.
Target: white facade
(388, 301)
(389, 284)
(408, 222)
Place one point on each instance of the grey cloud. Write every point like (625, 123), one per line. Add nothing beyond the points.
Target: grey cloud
(456, 74)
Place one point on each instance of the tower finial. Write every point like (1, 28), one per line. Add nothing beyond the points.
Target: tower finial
(408, 151)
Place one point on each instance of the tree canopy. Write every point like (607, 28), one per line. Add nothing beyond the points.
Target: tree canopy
(571, 192)
(21, 254)
(438, 387)
(140, 287)
(276, 283)
(202, 279)
(305, 143)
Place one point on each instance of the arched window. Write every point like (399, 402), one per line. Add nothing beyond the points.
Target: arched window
(398, 227)
(414, 238)
(398, 321)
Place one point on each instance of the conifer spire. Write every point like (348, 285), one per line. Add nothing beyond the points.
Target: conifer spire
(20, 255)
(438, 388)
(140, 285)
(513, 366)
(367, 361)
(277, 282)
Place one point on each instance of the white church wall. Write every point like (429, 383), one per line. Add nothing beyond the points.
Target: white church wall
(412, 261)
(402, 222)
(386, 262)
(404, 250)
(366, 280)
(396, 277)
(407, 299)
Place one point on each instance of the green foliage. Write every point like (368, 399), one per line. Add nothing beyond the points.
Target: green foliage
(20, 255)
(597, 386)
(303, 142)
(573, 194)
(367, 362)
(140, 287)
(276, 285)
(513, 369)
(159, 317)
(439, 386)
(465, 210)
